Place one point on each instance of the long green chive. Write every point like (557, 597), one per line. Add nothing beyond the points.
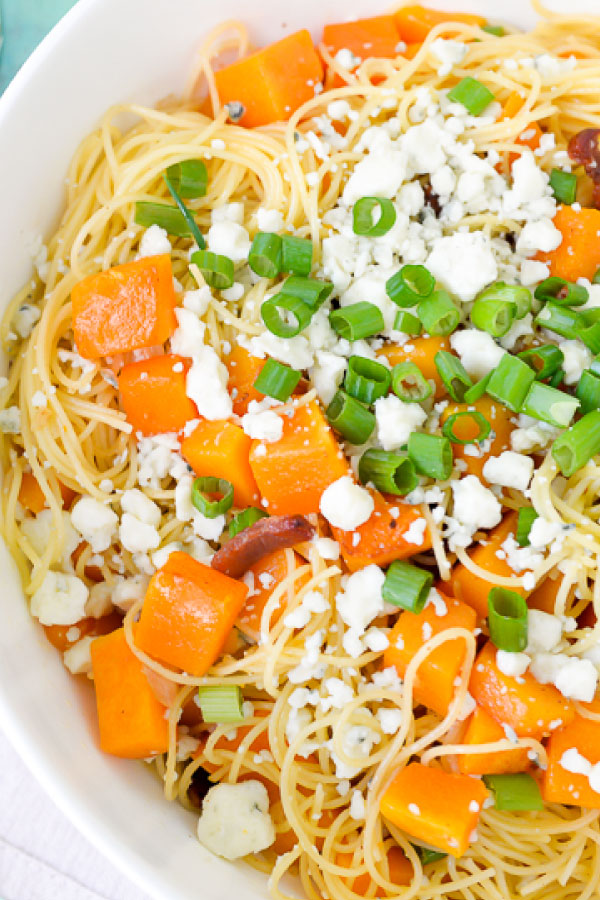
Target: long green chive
(476, 392)
(168, 217)
(510, 381)
(407, 323)
(453, 374)
(194, 230)
(507, 619)
(245, 519)
(564, 186)
(494, 316)
(588, 391)
(389, 472)
(277, 380)
(561, 292)
(591, 337)
(221, 704)
(438, 313)
(510, 293)
(209, 485)
(217, 270)
(467, 418)
(285, 316)
(544, 360)
(526, 517)
(410, 285)
(560, 319)
(426, 854)
(373, 216)
(366, 380)
(360, 320)
(472, 94)
(189, 178)
(431, 455)
(514, 793)
(350, 418)
(265, 254)
(312, 292)
(409, 383)
(576, 446)
(549, 405)
(407, 586)
(296, 255)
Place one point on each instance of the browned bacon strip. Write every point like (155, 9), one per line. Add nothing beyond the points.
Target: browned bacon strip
(260, 539)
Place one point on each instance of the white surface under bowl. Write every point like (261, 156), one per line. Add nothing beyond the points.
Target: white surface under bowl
(103, 52)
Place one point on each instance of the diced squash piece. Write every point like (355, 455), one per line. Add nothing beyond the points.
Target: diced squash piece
(525, 705)
(475, 590)
(124, 308)
(365, 38)
(293, 472)
(232, 742)
(399, 867)
(415, 22)
(531, 135)
(222, 449)
(578, 255)
(483, 729)
(273, 82)
(243, 370)
(383, 535)
(268, 572)
(131, 720)
(153, 394)
(500, 420)
(31, 496)
(436, 676)
(433, 806)
(562, 786)
(422, 352)
(188, 612)
(544, 596)
(60, 635)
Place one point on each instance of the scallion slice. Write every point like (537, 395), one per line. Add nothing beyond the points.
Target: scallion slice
(595, 365)
(407, 586)
(510, 381)
(389, 472)
(588, 391)
(311, 291)
(494, 316)
(596, 277)
(296, 255)
(453, 374)
(467, 418)
(410, 285)
(373, 216)
(366, 379)
(360, 320)
(564, 186)
(209, 485)
(409, 383)
(557, 378)
(265, 254)
(350, 418)
(507, 619)
(549, 405)
(431, 455)
(519, 792)
(510, 293)
(426, 854)
(285, 316)
(277, 380)
(221, 704)
(561, 319)
(217, 270)
(167, 217)
(561, 292)
(472, 94)
(575, 447)
(544, 360)
(189, 178)
(438, 313)
(526, 517)
(245, 519)
(476, 392)
(194, 230)
(591, 337)
(407, 323)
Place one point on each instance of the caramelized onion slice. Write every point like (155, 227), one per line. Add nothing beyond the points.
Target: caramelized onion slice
(260, 539)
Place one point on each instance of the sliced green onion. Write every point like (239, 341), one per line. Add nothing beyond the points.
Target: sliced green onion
(526, 517)
(277, 380)
(472, 94)
(557, 378)
(494, 316)
(519, 792)
(426, 854)
(366, 380)
(438, 313)
(409, 383)
(431, 455)
(221, 704)
(312, 292)
(407, 586)
(545, 403)
(389, 472)
(407, 323)
(595, 365)
(194, 230)
(497, 31)
(591, 337)
(285, 316)
(576, 446)
(476, 392)
(410, 285)
(296, 254)
(544, 360)
(560, 319)
(596, 277)
(245, 519)
(590, 316)
(467, 416)
(364, 220)
(350, 418)
(507, 619)
(588, 391)
(561, 292)
(217, 270)
(510, 293)
(168, 217)
(360, 320)
(189, 178)
(510, 381)
(453, 374)
(209, 485)
(265, 254)
(564, 186)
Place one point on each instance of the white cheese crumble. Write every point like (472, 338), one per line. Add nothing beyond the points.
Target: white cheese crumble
(235, 819)
(396, 420)
(60, 599)
(345, 504)
(510, 470)
(95, 522)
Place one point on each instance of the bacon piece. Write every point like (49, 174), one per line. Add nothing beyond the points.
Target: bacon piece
(584, 149)
(260, 539)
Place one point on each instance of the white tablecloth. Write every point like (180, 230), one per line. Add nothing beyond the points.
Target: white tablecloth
(42, 856)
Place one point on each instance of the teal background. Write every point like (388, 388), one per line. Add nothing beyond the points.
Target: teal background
(24, 24)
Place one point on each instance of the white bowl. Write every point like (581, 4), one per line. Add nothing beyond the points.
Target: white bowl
(102, 52)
